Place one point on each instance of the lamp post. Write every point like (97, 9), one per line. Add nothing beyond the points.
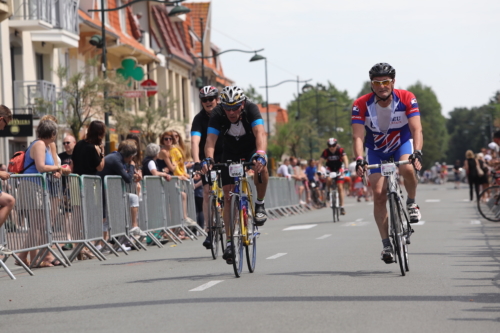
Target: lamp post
(298, 93)
(100, 42)
(202, 83)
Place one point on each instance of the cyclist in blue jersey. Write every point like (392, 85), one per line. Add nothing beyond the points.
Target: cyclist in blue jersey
(387, 123)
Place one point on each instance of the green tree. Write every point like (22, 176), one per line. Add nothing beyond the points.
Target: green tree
(253, 95)
(366, 89)
(433, 124)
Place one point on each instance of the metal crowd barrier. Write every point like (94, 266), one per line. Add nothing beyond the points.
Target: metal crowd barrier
(50, 211)
(118, 211)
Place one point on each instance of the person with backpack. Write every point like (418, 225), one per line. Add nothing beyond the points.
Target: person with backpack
(7, 201)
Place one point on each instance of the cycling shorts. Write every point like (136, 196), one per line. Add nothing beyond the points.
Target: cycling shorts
(376, 157)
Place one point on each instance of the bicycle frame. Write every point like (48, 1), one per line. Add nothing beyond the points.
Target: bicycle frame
(241, 187)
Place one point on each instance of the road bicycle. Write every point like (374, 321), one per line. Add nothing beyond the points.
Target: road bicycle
(333, 195)
(488, 203)
(244, 232)
(216, 229)
(316, 195)
(400, 229)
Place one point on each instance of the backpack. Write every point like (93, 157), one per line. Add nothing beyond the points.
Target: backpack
(16, 163)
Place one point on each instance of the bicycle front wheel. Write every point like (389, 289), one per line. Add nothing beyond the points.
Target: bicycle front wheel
(488, 203)
(251, 248)
(212, 227)
(236, 236)
(333, 204)
(396, 232)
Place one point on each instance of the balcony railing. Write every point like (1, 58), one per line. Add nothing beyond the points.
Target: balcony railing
(37, 96)
(60, 14)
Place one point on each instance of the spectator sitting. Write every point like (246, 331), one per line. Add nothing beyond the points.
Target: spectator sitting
(7, 201)
(149, 166)
(118, 164)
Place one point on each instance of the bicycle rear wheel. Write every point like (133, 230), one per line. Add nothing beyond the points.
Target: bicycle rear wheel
(488, 203)
(251, 248)
(236, 237)
(396, 232)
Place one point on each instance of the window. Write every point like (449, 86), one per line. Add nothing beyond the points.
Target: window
(123, 18)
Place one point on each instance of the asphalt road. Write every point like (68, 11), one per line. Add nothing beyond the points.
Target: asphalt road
(323, 277)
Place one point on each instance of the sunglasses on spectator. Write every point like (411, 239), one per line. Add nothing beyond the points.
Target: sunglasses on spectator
(383, 83)
(207, 99)
(165, 139)
(66, 143)
(230, 108)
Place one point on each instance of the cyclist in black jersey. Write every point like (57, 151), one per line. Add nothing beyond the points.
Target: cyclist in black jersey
(209, 97)
(335, 156)
(240, 124)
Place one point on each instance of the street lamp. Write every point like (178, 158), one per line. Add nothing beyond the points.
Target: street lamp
(100, 42)
(258, 57)
(298, 93)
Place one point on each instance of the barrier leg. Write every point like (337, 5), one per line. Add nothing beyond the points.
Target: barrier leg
(7, 270)
(26, 268)
(120, 245)
(95, 251)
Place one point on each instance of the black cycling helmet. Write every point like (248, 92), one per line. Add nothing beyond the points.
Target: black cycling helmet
(209, 91)
(382, 69)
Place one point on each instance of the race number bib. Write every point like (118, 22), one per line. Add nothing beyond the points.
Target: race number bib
(213, 175)
(388, 169)
(236, 170)
(333, 175)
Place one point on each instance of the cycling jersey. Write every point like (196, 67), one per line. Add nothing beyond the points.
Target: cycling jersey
(334, 160)
(404, 106)
(238, 138)
(199, 128)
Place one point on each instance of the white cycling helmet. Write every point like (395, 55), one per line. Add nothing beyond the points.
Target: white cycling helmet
(232, 95)
(332, 142)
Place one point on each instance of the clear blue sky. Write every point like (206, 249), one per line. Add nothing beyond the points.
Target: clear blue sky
(451, 46)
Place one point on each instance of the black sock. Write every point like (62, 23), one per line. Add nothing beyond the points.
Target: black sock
(386, 242)
(410, 201)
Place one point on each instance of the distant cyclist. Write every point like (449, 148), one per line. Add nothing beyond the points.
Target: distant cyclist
(335, 156)
(386, 120)
(240, 124)
(209, 98)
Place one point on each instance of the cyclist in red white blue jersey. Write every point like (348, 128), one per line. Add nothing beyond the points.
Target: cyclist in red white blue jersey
(387, 123)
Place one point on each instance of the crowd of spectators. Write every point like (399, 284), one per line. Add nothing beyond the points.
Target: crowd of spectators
(87, 157)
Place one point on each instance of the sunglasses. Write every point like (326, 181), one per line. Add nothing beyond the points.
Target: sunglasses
(207, 99)
(230, 108)
(165, 139)
(384, 83)
(66, 143)
(335, 145)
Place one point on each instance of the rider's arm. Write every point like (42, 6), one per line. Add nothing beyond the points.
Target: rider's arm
(260, 137)
(210, 144)
(416, 132)
(346, 161)
(358, 132)
(195, 147)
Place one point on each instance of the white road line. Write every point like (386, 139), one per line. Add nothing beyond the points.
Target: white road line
(419, 223)
(355, 224)
(370, 204)
(475, 222)
(323, 237)
(433, 200)
(359, 220)
(206, 285)
(300, 227)
(277, 256)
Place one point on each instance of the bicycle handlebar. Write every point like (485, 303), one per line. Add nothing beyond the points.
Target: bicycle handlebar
(375, 166)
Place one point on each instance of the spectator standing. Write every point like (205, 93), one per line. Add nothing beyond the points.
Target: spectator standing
(149, 164)
(483, 180)
(88, 154)
(69, 143)
(470, 166)
(283, 170)
(38, 159)
(456, 173)
(6, 200)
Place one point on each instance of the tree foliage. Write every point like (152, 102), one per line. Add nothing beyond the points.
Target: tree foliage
(433, 124)
(253, 95)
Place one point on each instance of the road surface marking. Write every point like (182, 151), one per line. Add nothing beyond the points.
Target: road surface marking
(355, 224)
(419, 223)
(206, 285)
(323, 237)
(359, 220)
(475, 222)
(300, 227)
(433, 200)
(370, 204)
(276, 256)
